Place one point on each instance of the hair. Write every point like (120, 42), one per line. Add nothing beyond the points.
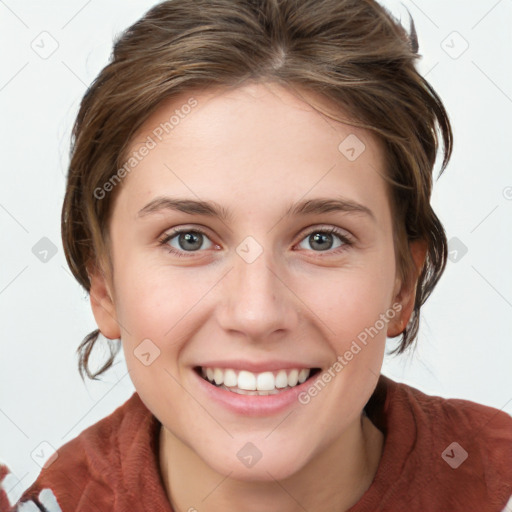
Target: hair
(353, 53)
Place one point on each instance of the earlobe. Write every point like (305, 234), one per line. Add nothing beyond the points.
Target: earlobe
(102, 304)
(406, 295)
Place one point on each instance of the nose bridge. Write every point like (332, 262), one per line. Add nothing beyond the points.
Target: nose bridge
(255, 279)
(258, 302)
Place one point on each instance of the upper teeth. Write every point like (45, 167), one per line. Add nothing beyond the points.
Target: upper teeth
(266, 381)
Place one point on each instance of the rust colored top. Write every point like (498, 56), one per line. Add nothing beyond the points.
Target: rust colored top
(439, 455)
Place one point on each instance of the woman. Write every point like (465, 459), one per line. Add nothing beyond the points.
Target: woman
(291, 144)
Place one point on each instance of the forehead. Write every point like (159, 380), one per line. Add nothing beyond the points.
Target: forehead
(260, 144)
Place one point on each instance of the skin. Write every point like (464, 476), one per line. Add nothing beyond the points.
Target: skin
(255, 150)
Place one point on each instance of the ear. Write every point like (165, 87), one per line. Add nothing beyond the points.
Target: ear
(405, 293)
(102, 304)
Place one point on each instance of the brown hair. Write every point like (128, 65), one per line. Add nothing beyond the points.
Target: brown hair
(353, 53)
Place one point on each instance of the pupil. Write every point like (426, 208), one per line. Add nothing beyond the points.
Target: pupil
(321, 237)
(191, 238)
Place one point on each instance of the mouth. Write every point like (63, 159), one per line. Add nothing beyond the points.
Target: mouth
(244, 382)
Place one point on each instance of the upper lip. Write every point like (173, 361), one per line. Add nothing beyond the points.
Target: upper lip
(257, 367)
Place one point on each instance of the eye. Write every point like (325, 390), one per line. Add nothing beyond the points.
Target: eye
(323, 240)
(181, 241)
(187, 240)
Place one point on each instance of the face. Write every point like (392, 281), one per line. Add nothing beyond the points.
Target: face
(289, 265)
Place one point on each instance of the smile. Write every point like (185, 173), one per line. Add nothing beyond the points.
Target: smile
(265, 383)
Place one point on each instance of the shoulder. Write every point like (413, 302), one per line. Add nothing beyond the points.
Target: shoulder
(89, 464)
(482, 426)
(461, 448)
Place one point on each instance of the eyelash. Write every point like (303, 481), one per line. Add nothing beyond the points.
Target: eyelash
(347, 242)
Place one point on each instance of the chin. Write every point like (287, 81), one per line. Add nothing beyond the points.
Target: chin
(261, 472)
(244, 461)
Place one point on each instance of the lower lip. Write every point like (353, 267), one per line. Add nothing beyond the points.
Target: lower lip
(254, 405)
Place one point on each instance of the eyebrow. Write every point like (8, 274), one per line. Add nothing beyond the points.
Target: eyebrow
(212, 209)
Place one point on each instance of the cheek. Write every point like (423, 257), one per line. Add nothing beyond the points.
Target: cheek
(150, 298)
(149, 307)
(355, 306)
(353, 298)
(158, 304)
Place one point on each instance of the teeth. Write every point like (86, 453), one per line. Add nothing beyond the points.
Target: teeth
(265, 381)
(281, 379)
(303, 375)
(230, 378)
(218, 376)
(248, 383)
(244, 392)
(293, 378)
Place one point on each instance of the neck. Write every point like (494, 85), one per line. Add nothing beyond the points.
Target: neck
(334, 479)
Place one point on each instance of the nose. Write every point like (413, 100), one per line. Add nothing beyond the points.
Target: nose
(256, 300)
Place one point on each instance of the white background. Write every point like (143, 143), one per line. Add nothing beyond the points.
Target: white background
(464, 347)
